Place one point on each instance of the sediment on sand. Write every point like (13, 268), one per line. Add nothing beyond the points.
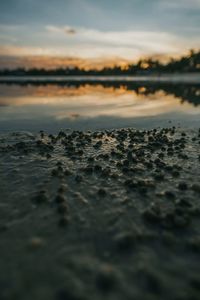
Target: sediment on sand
(89, 215)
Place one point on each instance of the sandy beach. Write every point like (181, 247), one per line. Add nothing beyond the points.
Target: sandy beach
(108, 214)
(100, 150)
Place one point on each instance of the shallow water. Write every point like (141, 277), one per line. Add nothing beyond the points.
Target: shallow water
(53, 106)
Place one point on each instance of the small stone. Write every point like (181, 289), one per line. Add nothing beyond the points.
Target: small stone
(170, 194)
(68, 294)
(63, 221)
(106, 278)
(67, 172)
(194, 244)
(102, 192)
(168, 238)
(60, 198)
(54, 172)
(78, 178)
(159, 176)
(183, 203)
(88, 169)
(35, 242)
(195, 282)
(181, 221)
(150, 281)
(183, 186)
(63, 208)
(97, 168)
(90, 159)
(4, 227)
(62, 188)
(41, 197)
(175, 173)
(125, 241)
(195, 187)
(152, 214)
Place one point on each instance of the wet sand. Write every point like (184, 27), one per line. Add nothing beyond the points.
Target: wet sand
(100, 215)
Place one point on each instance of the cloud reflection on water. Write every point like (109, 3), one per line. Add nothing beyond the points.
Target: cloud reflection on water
(50, 104)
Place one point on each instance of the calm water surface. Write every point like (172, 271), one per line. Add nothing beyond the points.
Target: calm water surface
(81, 105)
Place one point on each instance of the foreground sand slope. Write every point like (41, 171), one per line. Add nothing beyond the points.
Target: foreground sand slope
(100, 215)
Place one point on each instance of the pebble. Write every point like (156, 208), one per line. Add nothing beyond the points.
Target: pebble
(195, 187)
(102, 192)
(125, 241)
(62, 208)
(60, 198)
(78, 178)
(64, 221)
(152, 214)
(67, 172)
(41, 197)
(36, 242)
(170, 194)
(106, 278)
(68, 294)
(183, 186)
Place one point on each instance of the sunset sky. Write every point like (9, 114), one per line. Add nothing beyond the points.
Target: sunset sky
(96, 30)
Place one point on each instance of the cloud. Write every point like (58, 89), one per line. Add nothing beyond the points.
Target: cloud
(52, 62)
(83, 42)
(180, 4)
(6, 38)
(145, 42)
(10, 27)
(65, 29)
(70, 31)
(12, 50)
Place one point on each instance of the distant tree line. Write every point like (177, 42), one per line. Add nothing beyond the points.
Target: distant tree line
(189, 63)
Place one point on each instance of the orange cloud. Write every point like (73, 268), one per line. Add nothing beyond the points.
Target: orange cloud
(52, 62)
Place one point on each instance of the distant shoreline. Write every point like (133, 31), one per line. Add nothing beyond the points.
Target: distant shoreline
(166, 78)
